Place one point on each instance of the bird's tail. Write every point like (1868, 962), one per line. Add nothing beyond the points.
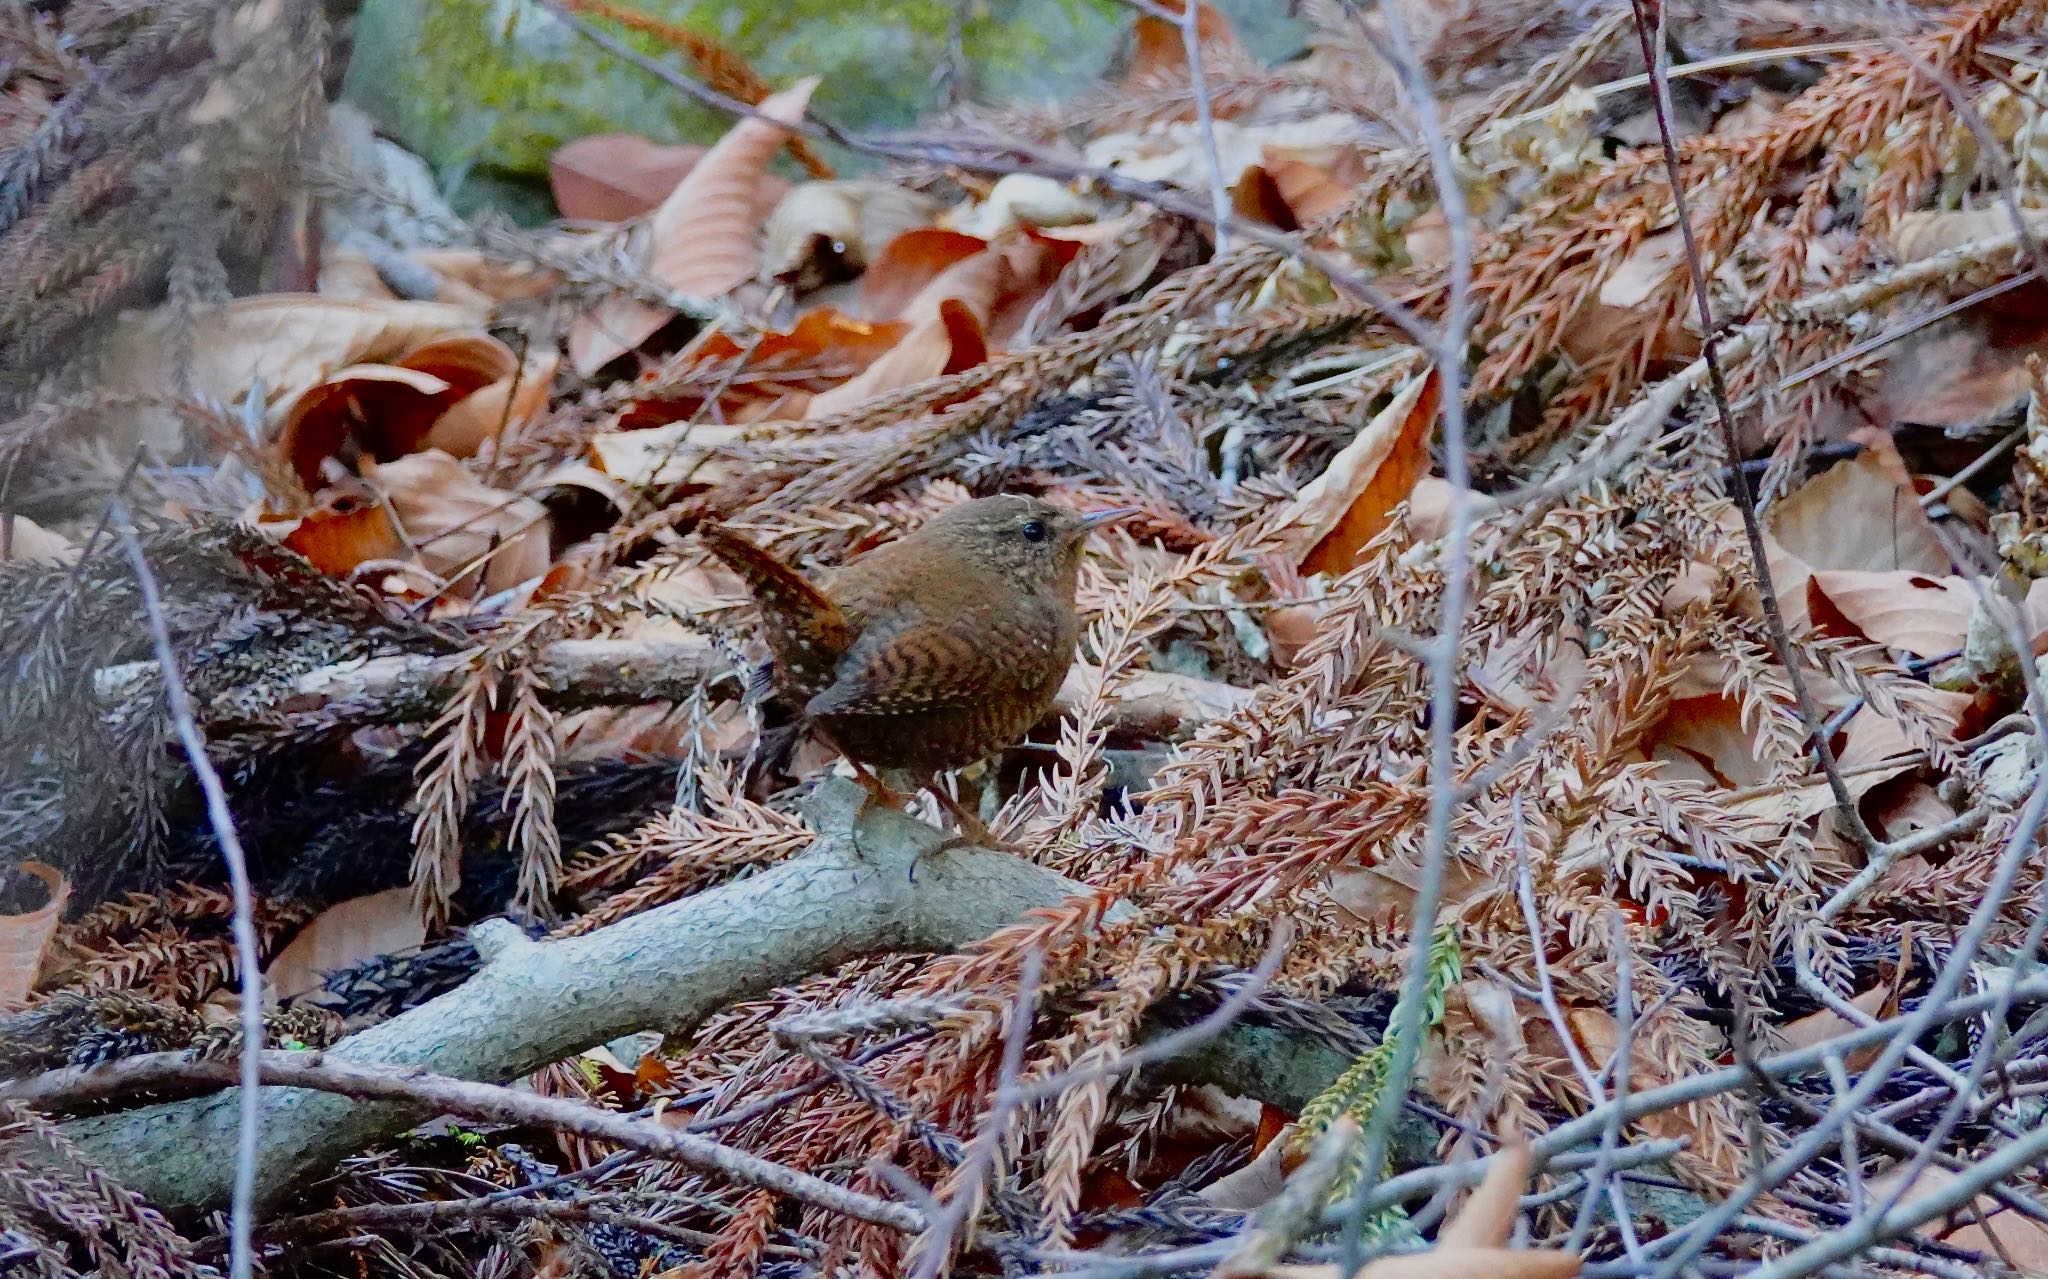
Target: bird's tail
(805, 629)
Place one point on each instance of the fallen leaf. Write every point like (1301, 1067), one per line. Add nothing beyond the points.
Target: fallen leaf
(1819, 1027)
(343, 936)
(388, 410)
(1256, 197)
(1472, 1244)
(1967, 371)
(1854, 516)
(1615, 318)
(609, 177)
(1926, 616)
(347, 527)
(1026, 199)
(1923, 233)
(1354, 498)
(496, 411)
(701, 239)
(907, 264)
(282, 342)
(664, 455)
(825, 231)
(2025, 1240)
(457, 524)
(21, 538)
(949, 342)
(1161, 52)
(482, 280)
(25, 936)
(1704, 739)
(1315, 181)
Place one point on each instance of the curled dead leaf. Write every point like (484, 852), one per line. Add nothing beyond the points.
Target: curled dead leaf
(281, 342)
(701, 239)
(609, 177)
(390, 409)
(26, 930)
(495, 411)
(347, 527)
(683, 452)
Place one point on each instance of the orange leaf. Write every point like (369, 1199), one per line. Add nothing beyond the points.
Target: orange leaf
(907, 264)
(25, 936)
(1160, 52)
(389, 410)
(947, 343)
(1354, 498)
(346, 529)
(701, 239)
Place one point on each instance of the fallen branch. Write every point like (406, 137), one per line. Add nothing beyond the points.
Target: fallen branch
(580, 674)
(873, 882)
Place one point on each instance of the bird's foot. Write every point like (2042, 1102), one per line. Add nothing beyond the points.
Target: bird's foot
(973, 833)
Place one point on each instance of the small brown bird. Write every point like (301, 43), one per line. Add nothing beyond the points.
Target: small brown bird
(933, 651)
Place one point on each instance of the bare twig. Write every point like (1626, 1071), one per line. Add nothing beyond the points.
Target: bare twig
(248, 952)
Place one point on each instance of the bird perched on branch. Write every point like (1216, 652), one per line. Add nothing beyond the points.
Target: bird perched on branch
(933, 651)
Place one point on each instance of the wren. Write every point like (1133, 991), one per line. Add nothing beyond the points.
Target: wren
(933, 651)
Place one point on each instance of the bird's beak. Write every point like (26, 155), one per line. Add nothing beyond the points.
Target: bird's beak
(1097, 519)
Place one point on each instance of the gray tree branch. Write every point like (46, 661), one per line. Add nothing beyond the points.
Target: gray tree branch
(871, 885)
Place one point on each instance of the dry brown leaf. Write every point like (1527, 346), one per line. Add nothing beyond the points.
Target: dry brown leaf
(1354, 498)
(701, 241)
(1821, 1026)
(1256, 197)
(21, 538)
(1926, 616)
(2025, 1240)
(495, 411)
(389, 410)
(1385, 892)
(1703, 739)
(470, 278)
(1924, 233)
(1315, 181)
(664, 455)
(909, 263)
(343, 936)
(1616, 314)
(823, 231)
(609, 177)
(947, 343)
(1160, 53)
(456, 523)
(1967, 371)
(1854, 516)
(25, 937)
(284, 342)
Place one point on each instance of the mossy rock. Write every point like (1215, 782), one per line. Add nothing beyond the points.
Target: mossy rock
(485, 90)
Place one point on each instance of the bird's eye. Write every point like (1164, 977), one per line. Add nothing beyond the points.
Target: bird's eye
(1035, 531)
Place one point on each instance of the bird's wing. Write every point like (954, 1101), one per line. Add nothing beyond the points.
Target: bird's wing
(943, 661)
(806, 629)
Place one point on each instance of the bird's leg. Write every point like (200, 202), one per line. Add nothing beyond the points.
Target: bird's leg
(973, 831)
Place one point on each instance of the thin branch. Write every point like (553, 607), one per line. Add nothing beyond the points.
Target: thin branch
(248, 952)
